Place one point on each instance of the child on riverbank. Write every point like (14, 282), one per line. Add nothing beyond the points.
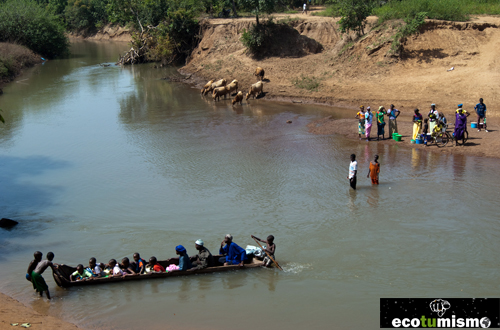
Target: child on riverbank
(425, 130)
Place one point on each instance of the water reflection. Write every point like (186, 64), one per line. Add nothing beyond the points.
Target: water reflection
(142, 164)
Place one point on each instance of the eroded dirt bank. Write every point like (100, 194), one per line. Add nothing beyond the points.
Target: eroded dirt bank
(361, 71)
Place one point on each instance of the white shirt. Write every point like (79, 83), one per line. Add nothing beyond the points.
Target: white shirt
(117, 270)
(352, 167)
(305, 7)
(368, 117)
(97, 269)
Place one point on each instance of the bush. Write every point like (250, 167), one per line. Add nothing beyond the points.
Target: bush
(13, 58)
(411, 26)
(354, 14)
(257, 37)
(27, 23)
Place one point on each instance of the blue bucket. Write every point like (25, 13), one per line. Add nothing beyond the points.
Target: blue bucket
(473, 125)
(419, 141)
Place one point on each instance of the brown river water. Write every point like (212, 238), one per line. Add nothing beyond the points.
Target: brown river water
(106, 161)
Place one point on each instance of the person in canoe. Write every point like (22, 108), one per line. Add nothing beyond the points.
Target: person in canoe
(126, 267)
(184, 261)
(80, 274)
(95, 268)
(234, 254)
(114, 268)
(155, 266)
(139, 264)
(270, 248)
(204, 258)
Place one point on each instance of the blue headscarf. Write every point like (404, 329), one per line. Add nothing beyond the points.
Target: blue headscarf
(180, 249)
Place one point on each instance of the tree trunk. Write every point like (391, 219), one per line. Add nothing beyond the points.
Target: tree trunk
(257, 18)
(234, 8)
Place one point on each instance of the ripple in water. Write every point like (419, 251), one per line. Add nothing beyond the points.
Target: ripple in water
(295, 268)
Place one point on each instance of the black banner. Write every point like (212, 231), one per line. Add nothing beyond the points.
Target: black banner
(440, 312)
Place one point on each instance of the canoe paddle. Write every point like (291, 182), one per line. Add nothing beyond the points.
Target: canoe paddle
(277, 265)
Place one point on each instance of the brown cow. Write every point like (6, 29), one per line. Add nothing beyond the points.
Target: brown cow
(259, 73)
(216, 84)
(238, 98)
(219, 91)
(233, 86)
(207, 86)
(255, 89)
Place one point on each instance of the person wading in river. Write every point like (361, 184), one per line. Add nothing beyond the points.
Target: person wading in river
(374, 170)
(36, 276)
(353, 170)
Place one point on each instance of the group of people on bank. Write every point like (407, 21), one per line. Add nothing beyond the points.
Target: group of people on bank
(435, 122)
(366, 119)
(232, 254)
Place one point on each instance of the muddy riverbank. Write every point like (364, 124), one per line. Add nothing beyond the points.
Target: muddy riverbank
(347, 71)
(14, 312)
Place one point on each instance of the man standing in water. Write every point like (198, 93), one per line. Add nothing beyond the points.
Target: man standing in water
(353, 170)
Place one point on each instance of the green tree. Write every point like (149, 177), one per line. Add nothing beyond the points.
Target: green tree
(354, 14)
(29, 24)
(258, 6)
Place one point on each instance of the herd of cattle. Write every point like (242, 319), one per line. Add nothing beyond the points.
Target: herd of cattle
(221, 88)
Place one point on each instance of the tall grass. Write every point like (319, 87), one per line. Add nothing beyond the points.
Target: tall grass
(330, 11)
(450, 10)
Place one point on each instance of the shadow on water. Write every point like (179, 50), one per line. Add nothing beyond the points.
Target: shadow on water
(20, 194)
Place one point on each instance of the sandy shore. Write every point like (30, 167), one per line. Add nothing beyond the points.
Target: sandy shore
(12, 311)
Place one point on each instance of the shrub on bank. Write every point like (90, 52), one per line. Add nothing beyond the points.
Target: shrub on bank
(13, 58)
(29, 24)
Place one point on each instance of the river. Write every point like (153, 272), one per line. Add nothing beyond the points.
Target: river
(108, 161)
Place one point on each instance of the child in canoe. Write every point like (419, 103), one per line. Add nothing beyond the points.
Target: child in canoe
(80, 274)
(155, 266)
(270, 249)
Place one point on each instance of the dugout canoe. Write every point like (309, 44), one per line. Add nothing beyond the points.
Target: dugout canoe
(62, 273)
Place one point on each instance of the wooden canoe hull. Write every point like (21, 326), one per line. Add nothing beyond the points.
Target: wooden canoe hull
(62, 273)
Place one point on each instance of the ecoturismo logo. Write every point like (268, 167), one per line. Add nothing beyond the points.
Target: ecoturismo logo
(429, 313)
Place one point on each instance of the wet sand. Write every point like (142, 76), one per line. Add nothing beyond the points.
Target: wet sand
(13, 311)
(480, 144)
